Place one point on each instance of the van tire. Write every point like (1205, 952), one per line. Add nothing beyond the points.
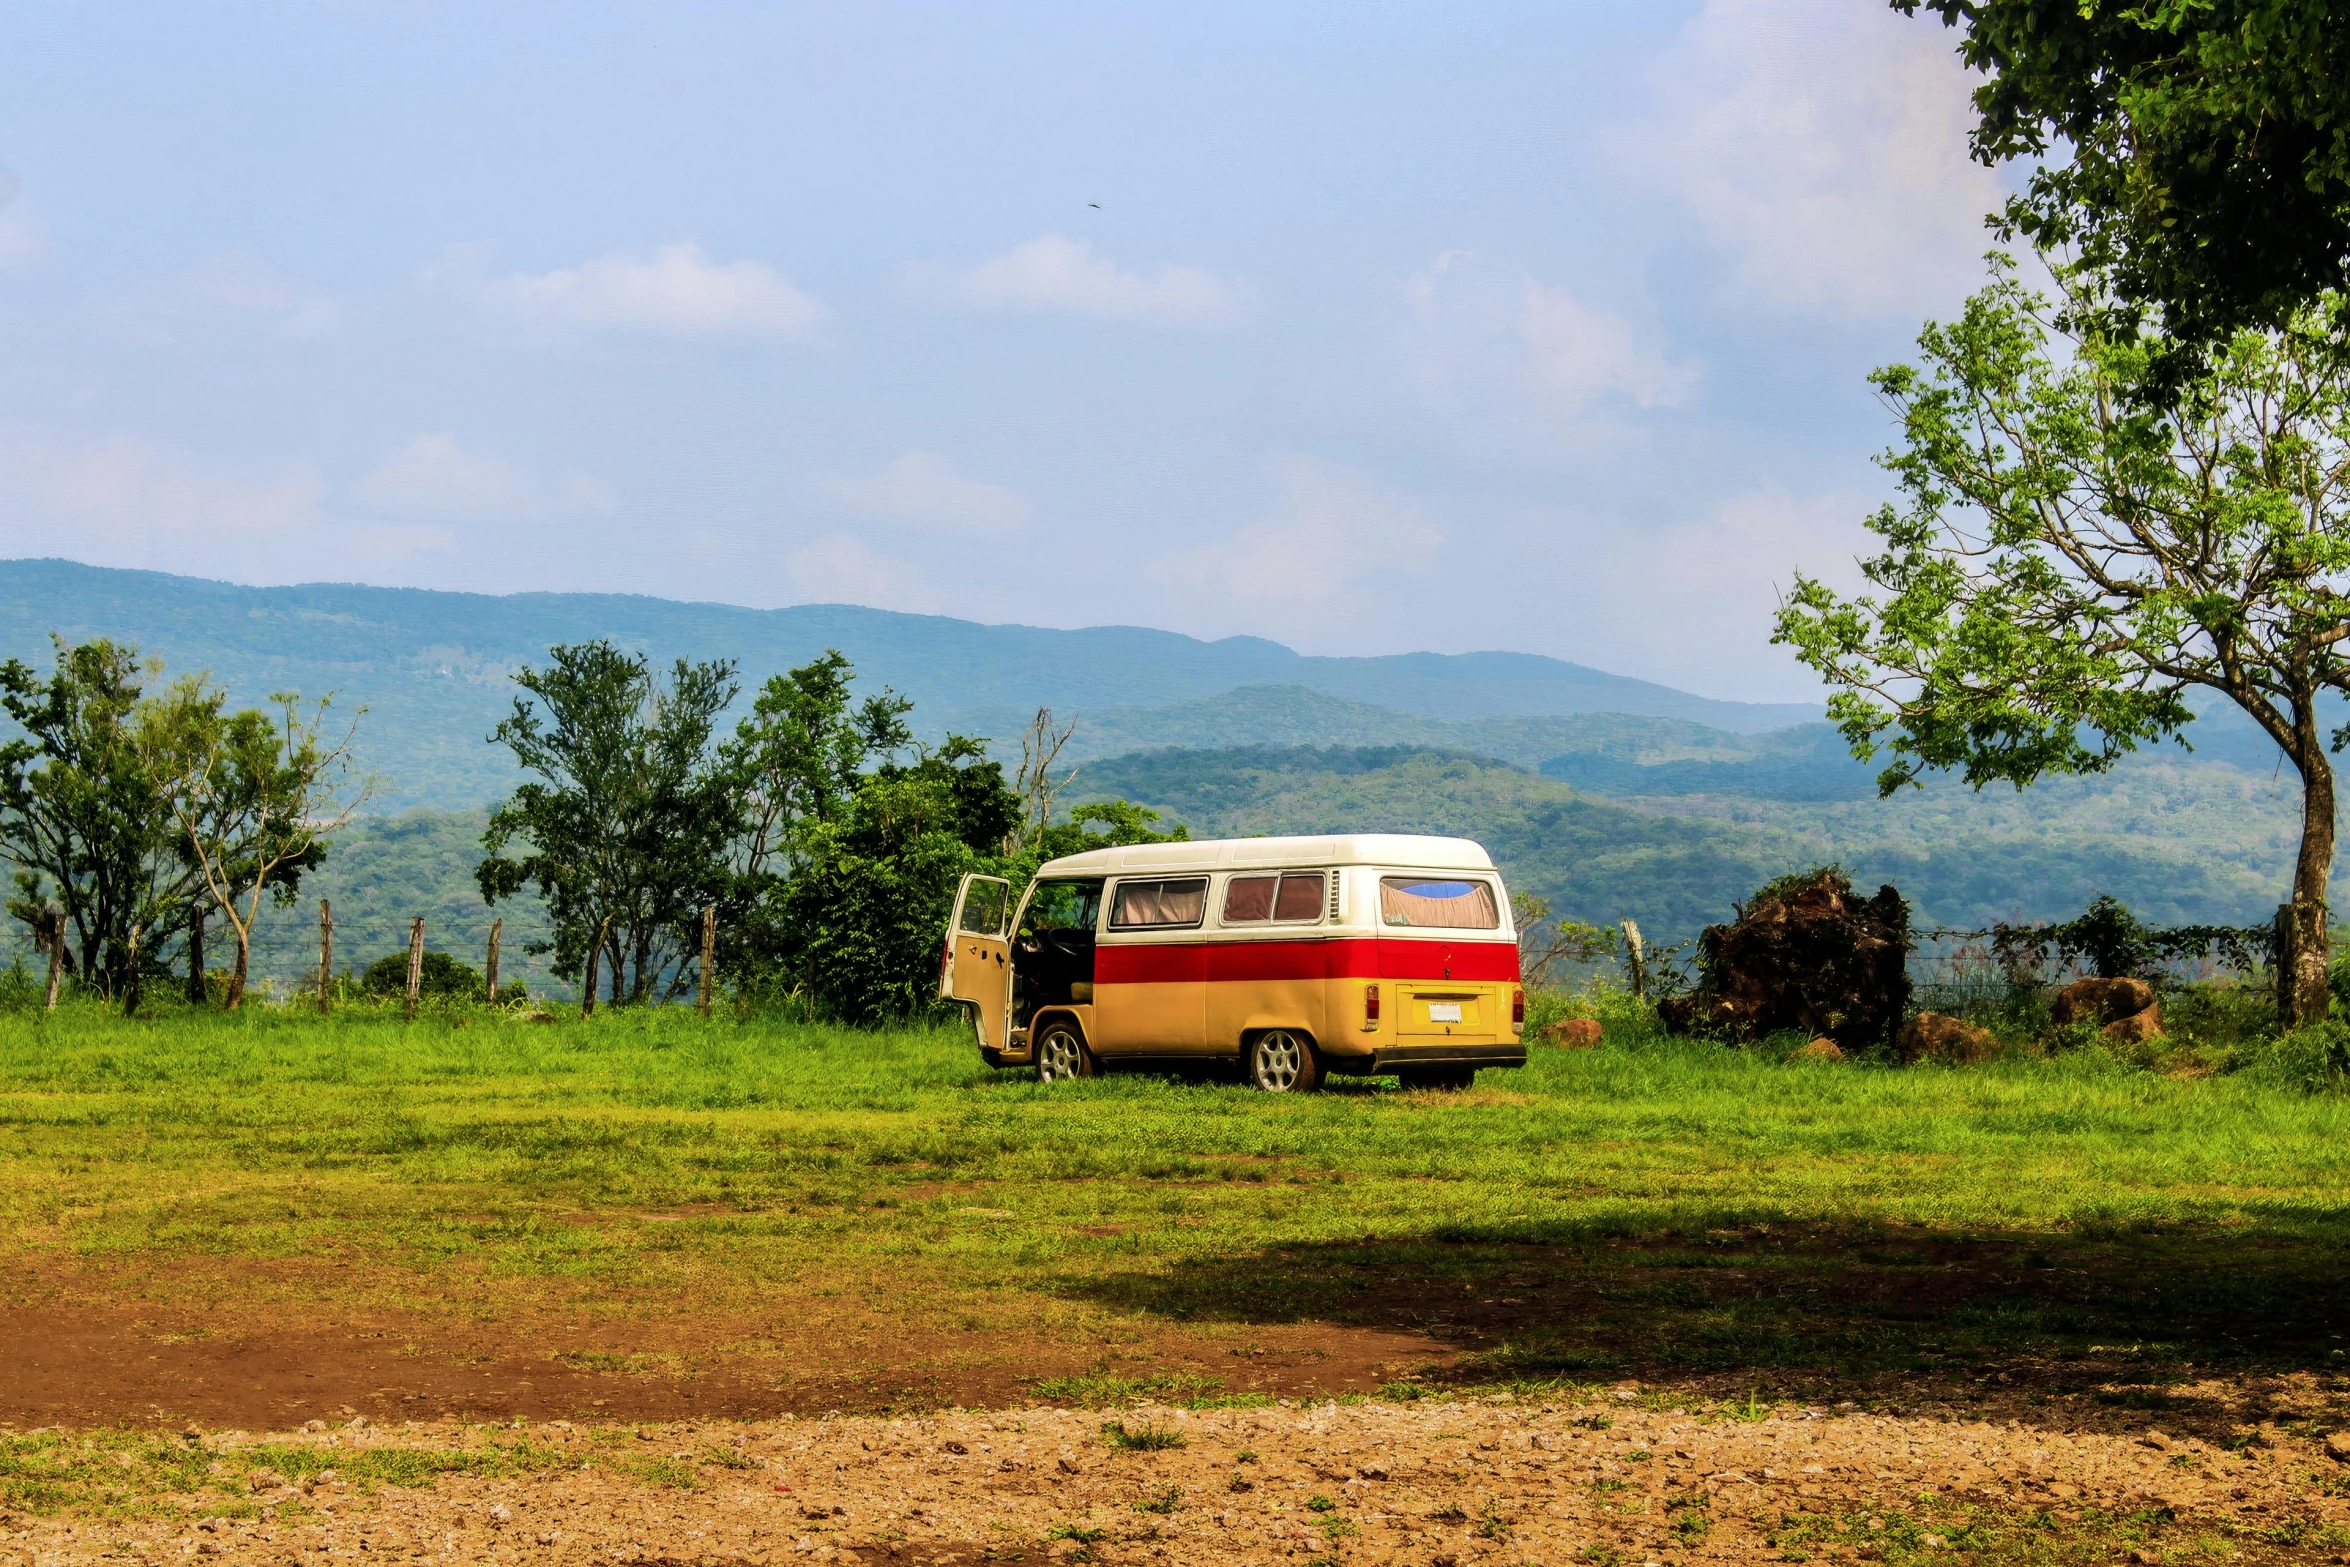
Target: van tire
(1283, 1061)
(1061, 1053)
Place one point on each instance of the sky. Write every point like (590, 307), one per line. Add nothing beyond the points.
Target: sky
(1366, 328)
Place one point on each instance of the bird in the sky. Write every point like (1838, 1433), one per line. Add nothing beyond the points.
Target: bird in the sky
(1097, 206)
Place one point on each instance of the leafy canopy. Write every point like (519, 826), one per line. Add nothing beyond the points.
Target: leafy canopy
(2206, 156)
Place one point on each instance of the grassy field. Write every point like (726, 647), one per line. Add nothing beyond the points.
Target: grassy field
(893, 1219)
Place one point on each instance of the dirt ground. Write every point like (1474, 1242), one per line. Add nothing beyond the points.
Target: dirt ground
(1612, 1479)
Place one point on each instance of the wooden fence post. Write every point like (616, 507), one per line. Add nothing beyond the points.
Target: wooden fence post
(130, 986)
(709, 951)
(415, 961)
(55, 919)
(326, 955)
(489, 983)
(196, 995)
(587, 998)
(1636, 959)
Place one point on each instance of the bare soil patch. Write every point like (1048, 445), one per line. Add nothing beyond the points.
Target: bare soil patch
(1615, 1476)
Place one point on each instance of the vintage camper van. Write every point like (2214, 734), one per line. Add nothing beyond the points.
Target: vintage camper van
(1297, 957)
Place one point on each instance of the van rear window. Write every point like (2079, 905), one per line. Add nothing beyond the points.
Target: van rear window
(1146, 905)
(1422, 901)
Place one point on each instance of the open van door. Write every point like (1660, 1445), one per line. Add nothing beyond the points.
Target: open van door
(976, 965)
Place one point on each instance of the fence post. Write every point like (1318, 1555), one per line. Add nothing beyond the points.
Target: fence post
(196, 952)
(709, 951)
(326, 955)
(55, 919)
(489, 982)
(587, 997)
(130, 986)
(1636, 959)
(415, 961)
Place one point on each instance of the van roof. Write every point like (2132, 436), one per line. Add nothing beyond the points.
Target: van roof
(1402, 850)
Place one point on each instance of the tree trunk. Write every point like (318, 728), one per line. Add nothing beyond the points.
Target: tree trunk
(2302, 946)
(489, 981)
(130, 982)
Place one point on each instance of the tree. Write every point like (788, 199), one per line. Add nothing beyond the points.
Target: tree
(2208, 146)
(626, 829)
(80, 814)
(253, 799)
(2071, 560)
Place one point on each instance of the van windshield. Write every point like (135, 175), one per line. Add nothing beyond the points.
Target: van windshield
(1435, 903)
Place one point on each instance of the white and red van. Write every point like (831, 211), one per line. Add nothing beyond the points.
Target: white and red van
(1298, 957)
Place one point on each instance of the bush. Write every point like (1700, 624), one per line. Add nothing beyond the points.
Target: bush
(2314, 1060)
(443, 976)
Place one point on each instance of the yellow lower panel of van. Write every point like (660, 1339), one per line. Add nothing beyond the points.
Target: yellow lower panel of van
(1149, 1018)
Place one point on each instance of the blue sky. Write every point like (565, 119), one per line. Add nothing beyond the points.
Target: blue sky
(1395, 327)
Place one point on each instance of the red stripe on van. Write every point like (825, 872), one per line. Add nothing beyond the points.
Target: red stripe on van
(1359, 957)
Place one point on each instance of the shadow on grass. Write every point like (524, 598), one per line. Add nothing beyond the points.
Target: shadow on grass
(2127, 1313)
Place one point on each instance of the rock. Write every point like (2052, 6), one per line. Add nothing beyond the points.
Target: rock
(1933, 1036)
(957, 1447)
(1820, 1049)
(1068, 1464)
(2135, 1029)
(1572, 1033)
(1372, 1472)
(2338, 1447)
(2100, 1001)
(1805, 952)
(265, 1480)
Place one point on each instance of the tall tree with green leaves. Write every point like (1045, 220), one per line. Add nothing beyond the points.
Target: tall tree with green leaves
(626, 822)
(80, 815)
(253, 798)
(2197, 150)
(2075, 555)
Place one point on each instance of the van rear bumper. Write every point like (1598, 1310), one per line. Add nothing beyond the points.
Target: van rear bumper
(1395, 1058)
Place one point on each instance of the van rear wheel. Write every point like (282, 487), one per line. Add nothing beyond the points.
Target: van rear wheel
(1283, 1062)
(1061, 1053)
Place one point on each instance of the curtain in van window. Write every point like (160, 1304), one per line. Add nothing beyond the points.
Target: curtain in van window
(1146, 903)
(1420, 901)
(1301, 897)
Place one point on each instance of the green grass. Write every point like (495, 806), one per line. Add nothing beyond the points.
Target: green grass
(1655, 1204)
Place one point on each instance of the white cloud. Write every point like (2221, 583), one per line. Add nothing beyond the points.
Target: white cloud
(433, 476)
(125, 501)
(677, 291)
(841, 569)
(22, 238)
(1822, 145)
(1330, 528)
(1057, 275)
(926, 490)
(243, 284)
(1518, 364)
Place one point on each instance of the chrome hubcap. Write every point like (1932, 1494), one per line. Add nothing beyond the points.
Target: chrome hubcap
(1056, 1057)
(1279, 1060)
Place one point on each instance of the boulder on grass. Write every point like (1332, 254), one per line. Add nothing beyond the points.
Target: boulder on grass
(2135, 1029)
(1571, 1033)
(1820, 1049)
(2100, 1001)
(1934, 1036)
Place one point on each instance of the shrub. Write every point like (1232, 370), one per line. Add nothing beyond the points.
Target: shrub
(2315, 1059)
(443, 976)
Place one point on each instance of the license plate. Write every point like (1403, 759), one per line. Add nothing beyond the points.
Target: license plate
(1444, 1012)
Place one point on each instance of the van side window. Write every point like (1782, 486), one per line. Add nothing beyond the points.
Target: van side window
(1436, 903)
(1301, 897)
(1294, 895)
(1159, 905)
(1248, 899)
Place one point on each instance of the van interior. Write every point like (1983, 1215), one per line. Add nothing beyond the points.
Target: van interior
(1052, 951)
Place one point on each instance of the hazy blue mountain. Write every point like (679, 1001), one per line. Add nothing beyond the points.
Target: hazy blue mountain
(433, 668)
(2180, 843)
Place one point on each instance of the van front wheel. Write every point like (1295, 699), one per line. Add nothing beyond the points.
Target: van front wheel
(1061, 1053)
(1282, 1062)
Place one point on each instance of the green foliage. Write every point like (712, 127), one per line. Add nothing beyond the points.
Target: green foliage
(625, 825)
(2203, 154)
(440, 975)
(81, 815)
(1143, 1439)
(2313, 1059)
